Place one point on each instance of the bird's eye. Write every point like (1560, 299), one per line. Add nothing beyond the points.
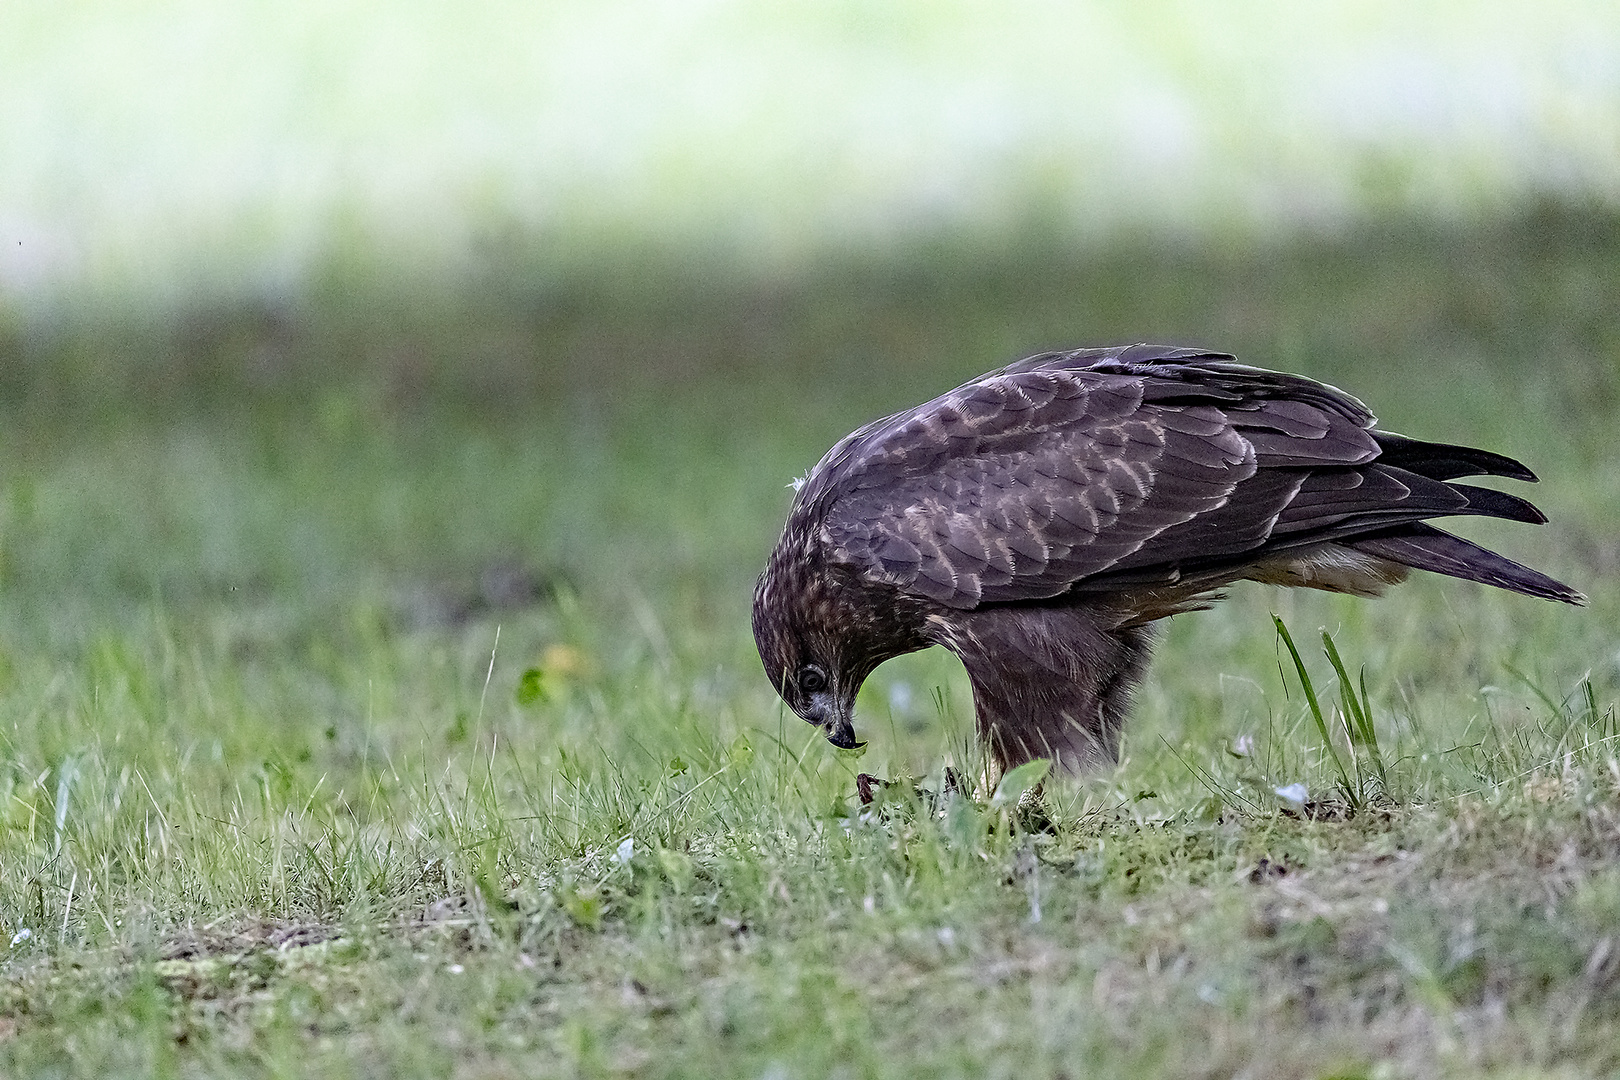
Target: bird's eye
(812, 679)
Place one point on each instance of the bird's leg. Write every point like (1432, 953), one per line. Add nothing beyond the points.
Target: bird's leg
(1051, 682)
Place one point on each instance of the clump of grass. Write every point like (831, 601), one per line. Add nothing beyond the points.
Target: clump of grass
(1363, 779)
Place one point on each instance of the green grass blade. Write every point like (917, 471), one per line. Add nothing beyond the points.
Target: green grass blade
(1019, 780)
(1358, 709)
(1315, 705)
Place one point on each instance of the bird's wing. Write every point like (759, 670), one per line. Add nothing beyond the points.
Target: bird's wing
(1134, 465)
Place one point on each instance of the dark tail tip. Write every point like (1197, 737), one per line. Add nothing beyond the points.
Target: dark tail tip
(1424, 547)
(1443, 461)
(1499, 504)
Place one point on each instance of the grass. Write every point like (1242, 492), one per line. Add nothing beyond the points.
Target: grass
(1354, 718)
(392, 711)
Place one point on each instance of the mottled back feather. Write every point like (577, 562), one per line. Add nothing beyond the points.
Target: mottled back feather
(1140, 463)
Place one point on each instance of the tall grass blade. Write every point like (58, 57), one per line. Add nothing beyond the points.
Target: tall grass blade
(1315, 706)
(1357, 709)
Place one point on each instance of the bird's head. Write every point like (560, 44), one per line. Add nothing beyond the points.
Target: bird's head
(804, 659)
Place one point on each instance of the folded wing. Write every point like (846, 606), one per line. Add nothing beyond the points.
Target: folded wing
(1105, 469)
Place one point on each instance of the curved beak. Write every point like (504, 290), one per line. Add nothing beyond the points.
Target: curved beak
(841, 733)
(837, 721)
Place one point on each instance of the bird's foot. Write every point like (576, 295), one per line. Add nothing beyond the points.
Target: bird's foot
(1032, 816)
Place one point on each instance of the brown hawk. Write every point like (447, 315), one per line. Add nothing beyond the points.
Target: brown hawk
(1037, 520)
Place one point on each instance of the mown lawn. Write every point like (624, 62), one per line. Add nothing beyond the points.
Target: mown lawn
(377, 697)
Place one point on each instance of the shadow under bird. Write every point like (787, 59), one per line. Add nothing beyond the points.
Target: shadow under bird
(1038, 520)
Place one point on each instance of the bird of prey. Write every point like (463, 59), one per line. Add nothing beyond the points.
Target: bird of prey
(1039, 519)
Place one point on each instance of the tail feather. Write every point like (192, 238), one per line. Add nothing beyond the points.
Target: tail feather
(1424, 547)
(1442, 461)
(1489, 502)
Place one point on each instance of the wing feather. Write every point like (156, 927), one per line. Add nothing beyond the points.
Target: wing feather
(1077, 470)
